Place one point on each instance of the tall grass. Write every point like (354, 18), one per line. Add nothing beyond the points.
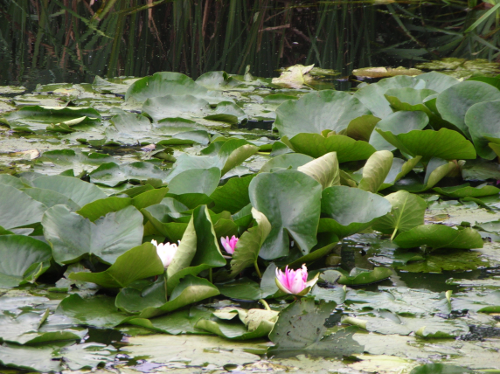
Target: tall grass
(69, 40)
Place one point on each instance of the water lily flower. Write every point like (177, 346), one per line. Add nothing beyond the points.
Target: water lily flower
(165, 251)
(294, 281)
(229, 244)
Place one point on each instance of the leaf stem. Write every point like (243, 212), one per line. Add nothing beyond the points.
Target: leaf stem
(257, 269)
(264, 302)
(394, 233)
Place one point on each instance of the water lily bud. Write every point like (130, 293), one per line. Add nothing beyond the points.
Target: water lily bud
(165, 251)
(294, 281)
(229, 244)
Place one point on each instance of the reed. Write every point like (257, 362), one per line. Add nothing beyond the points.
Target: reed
(68, 40)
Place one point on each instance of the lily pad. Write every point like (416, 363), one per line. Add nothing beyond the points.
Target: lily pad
(317, 145)
(137, 263)
(407, 212)
(169, 83)
(272, 194)
(77, 190)
(372, 95)
(22, 259)
(18, 209)
(399, 122)
(465, 190)
(249, 244)
(300, 329)
(350, 210)
(73, 236)
(359, 276)
(446, 144)
(454, 102)
(439, 236)
(375, 171)
(482, 122)
(318, 111)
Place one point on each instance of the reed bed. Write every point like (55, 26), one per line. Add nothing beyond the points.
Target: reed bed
(70, 40)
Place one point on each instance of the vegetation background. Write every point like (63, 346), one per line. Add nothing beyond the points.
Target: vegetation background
(73, 40)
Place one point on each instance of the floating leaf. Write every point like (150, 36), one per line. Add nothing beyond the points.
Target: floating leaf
(324, 169)
(73, 236)
(465, 190)
(482, 122)
(317, 145)
(397, 123)
(454, 102)
(137, 263)
(350, 210)
(77, 190)
(300, 330)
(318, 111)
(18, 209)
(446, 144)
(272, 194)
(249, 244)
(375, 171)
(407, 212)
(439, 236)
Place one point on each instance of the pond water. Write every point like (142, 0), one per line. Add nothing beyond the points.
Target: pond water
(387, 191)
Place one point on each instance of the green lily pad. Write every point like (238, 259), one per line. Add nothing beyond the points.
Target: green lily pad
(375, 171)
(238, 331)
(482, 122)
(225, 155)
(324, 169)
(272, 194)
(137, 263)
(169, 83)
(18, 209)
(300, 329)
(429, 327)
(198, 249)
(359, 276)
(407, 212)
(73, 236)
(111, 174)
(372, 95)
(29, 358)
(179, 322)
(33, 118)
(399, 122)
(317, 145)
(99, 311)
(77, 190)
(247, 289)
(233, 195)
(318, 111)
(465, 190)
(203, 181)
(446, 144)
(87, 355)
(286, 161)
(439, 236)
(190, 290)
(176, 106)
(454, 102)
(22, 259)
(249, 244)
(362, 127)
(350, 210)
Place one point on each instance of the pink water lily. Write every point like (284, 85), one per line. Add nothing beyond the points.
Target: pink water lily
(294, 281)
(229, 244)
(165, 251)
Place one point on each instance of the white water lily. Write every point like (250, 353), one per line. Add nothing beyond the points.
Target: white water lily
(165, 251)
